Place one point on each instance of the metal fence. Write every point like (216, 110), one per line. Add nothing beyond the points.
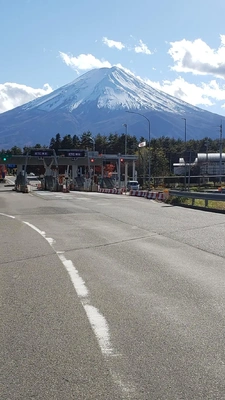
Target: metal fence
(198, 195)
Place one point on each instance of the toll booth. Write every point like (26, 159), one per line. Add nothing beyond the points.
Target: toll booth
(72, 169)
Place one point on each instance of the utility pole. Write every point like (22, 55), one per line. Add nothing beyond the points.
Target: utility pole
(125, 152)
(125, 145)
(221, 150)
(119, 170)
(149, 148)
(185, 141)
(149, 155)
(189, 171)
(207, 156)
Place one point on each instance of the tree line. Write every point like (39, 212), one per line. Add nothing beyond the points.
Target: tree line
(164, 150)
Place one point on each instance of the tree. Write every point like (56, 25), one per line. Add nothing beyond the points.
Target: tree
(55, 143)
(114, 146)
(86, 141)
(67, 142)
(52, 143)
(101, 143)
(16, 150)
(76, 142)
(132, 144)
(159, 162)
(26, 149)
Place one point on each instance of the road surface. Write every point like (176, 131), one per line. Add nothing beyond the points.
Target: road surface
(110, 297)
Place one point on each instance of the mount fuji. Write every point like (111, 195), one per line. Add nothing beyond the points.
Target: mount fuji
(97, 102)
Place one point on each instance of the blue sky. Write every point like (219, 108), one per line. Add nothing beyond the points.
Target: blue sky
(175, 45)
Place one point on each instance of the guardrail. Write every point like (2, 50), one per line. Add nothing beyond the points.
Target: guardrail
(198, 195)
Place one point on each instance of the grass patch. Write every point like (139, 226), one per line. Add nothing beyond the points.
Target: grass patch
(217, 205)
(212, 204)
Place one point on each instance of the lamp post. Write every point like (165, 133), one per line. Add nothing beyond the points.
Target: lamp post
(93, 142)
(125, 152)
(207, 156)
(149, 138)
(185, 130)
(221, 150)
(90, 172)
(185, 141)
(125, 146)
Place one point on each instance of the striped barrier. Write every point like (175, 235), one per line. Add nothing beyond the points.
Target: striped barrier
(111, 191)
(148, 195)
(138, 193)
(161, 196)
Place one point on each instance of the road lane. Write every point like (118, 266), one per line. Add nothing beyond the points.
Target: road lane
(48, 350)
(157, 274)
(166, 316)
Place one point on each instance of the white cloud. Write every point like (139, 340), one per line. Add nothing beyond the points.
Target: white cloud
(113, 43)
(83, 62)
(198, 57)
(204, 94)
(198, 95)
(142, 48)
(13, 95)
(124, 68)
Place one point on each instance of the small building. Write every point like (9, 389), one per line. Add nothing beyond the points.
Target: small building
(208, 163)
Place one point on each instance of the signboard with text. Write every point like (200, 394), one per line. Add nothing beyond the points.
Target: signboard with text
(41, 153)
(74, 154)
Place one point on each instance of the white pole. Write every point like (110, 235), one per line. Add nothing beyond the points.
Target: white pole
(221, 149)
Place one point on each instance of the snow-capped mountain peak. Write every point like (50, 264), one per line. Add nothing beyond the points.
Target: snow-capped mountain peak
(97, 101)
(110, 88)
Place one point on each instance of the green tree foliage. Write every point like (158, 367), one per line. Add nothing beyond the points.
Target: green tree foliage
(101, 143)
(164, 150)
(67, 142)
(16, 150)
(76, 142)
(87, 141)
(55, 143)
(159, 163)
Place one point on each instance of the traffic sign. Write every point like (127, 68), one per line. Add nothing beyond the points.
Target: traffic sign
(73, 153)
(41, 153)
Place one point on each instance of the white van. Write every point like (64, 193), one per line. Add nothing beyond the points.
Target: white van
(133, 185)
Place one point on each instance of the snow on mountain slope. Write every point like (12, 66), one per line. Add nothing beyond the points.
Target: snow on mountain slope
(97, 101)
(111, 88)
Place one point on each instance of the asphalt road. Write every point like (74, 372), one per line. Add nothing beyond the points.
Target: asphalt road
(110, 297)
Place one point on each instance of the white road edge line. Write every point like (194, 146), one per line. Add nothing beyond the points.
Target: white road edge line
(96, 319)
(78, 282)
(6, 215)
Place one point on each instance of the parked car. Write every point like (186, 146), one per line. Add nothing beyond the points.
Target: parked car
(33, 180)
(133, 185)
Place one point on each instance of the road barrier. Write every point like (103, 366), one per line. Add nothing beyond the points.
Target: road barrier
(161, 196)
(198, 195)
(112, 191)
(149, 195)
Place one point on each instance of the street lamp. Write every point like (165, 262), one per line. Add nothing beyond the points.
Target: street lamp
(149, 137)
(89, 166)
(185, 141)
(221, 150)
(125, 149)
(93, 141)
(125, 152)
(185, 130)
